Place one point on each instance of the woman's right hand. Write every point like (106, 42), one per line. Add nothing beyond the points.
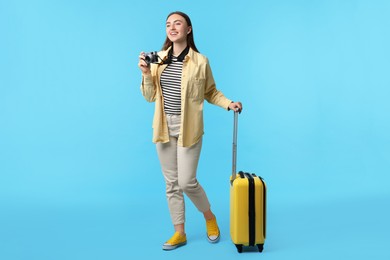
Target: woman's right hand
(145, 68)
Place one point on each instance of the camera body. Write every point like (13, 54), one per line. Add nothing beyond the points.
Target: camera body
(151, 57)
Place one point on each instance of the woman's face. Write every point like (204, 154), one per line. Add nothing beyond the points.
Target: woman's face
(177, 29)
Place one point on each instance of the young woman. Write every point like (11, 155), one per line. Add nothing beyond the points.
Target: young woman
(178, 85)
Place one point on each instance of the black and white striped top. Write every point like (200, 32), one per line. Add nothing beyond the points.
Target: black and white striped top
(171, 87)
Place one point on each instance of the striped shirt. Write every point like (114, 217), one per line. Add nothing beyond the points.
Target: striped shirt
(171, 87)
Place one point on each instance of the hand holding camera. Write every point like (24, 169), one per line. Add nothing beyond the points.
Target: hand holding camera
(143, 65)
(145, 59)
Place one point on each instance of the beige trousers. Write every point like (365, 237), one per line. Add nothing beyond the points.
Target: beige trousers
(179, 165)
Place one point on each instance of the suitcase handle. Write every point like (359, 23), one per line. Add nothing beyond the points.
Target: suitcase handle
(235, 129)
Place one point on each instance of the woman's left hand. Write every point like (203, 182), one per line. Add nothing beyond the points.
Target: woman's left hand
(236, 106)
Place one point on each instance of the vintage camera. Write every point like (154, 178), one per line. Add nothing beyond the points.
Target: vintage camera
(151, 57)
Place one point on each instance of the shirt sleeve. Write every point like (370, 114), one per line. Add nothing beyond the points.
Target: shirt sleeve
(212, 94)
(148, 89)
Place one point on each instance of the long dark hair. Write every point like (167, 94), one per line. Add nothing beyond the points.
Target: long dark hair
(190, 36)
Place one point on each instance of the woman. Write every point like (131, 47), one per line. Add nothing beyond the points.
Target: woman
(178, 86)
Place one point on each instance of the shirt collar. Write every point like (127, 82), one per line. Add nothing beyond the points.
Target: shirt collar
(184, 55)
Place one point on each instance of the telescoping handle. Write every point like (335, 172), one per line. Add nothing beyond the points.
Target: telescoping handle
(235, 128)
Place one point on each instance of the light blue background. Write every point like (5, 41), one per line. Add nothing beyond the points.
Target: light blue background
(79, 176)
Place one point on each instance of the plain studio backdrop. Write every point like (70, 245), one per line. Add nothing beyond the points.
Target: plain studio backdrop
(79, 175)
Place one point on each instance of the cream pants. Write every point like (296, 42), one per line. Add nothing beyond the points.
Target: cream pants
(179, 166)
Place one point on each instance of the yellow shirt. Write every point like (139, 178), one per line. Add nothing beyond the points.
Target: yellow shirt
(197, 84)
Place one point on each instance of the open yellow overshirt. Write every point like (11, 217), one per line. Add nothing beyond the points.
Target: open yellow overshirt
(197, 84)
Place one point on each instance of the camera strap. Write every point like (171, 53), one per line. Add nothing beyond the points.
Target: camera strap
(180, 58)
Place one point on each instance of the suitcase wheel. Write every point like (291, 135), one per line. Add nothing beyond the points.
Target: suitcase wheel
(239, 248)
(260, 247)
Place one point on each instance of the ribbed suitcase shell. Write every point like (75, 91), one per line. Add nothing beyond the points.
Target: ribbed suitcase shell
(241, 228)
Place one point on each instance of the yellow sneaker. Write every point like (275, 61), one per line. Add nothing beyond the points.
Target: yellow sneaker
(175, 241)
(213, 233)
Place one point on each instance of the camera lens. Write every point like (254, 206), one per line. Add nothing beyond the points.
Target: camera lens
(151, 57)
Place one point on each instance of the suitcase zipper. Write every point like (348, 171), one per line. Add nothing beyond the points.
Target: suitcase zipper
(251, 213)
(264, 201)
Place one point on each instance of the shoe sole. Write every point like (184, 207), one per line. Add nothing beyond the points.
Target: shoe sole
(215, 240)
(170, 247)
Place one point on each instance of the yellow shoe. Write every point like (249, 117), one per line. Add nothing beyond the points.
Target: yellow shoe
(213, 233)
(175, 241)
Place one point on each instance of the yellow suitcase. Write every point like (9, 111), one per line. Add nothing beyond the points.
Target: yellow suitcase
(247, 205)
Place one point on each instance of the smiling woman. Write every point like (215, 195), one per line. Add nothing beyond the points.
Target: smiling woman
(177, 30)
(79, 179)
(179, 85)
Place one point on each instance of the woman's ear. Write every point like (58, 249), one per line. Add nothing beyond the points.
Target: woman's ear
(189, 29)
